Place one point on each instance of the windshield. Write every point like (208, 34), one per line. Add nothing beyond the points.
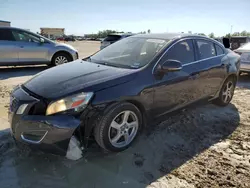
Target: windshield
(131, 52)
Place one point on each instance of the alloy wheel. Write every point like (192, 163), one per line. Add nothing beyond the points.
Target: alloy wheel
(228, 91)
(123, 129)
(60, 60)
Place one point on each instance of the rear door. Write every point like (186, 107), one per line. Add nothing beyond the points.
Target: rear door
(8, 48)
(30, 50)
(213, 63)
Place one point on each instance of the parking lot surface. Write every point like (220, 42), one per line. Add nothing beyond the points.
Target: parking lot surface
(207, 146)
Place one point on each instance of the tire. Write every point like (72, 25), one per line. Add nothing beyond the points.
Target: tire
(221, 100)
(105, 133)
(60, 58)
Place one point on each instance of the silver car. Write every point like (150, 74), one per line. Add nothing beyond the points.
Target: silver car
(22, 47)
(244, 52)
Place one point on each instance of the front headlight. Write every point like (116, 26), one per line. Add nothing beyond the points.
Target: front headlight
(76, 102)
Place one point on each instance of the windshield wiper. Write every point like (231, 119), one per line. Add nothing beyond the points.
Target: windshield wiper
(114, 64)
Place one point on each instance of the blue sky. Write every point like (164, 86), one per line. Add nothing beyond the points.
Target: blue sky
(90, 16)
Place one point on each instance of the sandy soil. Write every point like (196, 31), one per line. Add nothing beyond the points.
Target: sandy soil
(204, 147)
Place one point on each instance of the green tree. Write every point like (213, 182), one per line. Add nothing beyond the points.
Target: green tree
(243, 33)
(149, 31)
(236, 34)
(228, 35)
(211, 35)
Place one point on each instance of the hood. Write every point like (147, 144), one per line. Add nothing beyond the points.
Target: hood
(58, 44)
(77, 76)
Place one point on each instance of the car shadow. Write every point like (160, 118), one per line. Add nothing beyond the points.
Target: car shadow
(168, 146)
(244, 81)
(12, 72)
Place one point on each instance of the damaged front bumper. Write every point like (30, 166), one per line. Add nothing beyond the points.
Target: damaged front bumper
(51, 134)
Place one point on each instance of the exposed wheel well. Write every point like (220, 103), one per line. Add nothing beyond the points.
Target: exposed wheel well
(65, 52)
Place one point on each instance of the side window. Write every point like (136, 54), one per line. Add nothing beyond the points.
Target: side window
(206, 49)
(219, 50)
(182, 51)
(5, 35)
(24, 36)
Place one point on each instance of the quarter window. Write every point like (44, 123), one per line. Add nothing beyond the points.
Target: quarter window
(206, 49)
(219, 50)
(182, 51)
(5, 35)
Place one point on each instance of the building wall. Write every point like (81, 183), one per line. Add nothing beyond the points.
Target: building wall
(4, 24)
(52, 32)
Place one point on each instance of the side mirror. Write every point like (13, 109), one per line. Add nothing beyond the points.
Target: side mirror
(226, 42)
(170, 66)
(41, 40)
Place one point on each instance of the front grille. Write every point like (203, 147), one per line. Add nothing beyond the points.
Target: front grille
(14, 103)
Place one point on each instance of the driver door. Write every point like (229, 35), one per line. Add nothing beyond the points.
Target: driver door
(177, 89)
(30, 49)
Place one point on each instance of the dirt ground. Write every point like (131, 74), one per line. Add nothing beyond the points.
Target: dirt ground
(204, 147)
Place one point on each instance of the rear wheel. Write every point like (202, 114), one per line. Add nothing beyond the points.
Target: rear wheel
(60, 58)
(227, 92)
(118, 127)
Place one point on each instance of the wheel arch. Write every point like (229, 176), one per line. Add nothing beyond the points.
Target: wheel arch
(230, 75)
(92, 118)
(141, 109)
(61, 51)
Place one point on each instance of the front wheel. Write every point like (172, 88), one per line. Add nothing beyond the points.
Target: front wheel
(226, 93)
(60, 58)
(118, 127)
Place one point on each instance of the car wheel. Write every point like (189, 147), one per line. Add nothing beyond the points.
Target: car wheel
(118, 127)
(60, 58)
(226, 93)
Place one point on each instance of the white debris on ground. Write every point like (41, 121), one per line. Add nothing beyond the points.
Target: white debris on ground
(74, 151)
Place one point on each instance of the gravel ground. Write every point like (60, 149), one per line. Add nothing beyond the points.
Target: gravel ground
(207, 146)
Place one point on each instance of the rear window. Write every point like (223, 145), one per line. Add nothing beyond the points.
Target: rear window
(206, 49)
(219, 50)
(112, 38)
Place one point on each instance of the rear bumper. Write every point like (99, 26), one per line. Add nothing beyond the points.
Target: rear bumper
(50, 134)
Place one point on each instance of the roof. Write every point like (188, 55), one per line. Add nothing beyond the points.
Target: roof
(168, 36)
(4, 21)
(7, 27)
(121, 34)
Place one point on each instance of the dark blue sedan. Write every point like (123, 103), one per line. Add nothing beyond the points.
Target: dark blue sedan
(112, 95)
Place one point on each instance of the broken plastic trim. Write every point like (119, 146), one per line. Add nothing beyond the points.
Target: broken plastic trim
(74, 151)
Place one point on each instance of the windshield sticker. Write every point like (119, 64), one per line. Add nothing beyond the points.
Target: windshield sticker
(135, 65)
